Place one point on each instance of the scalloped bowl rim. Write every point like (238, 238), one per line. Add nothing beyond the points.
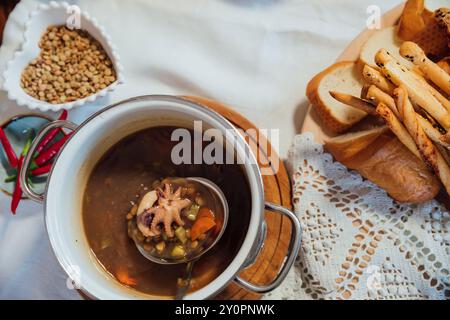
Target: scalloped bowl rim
(22, 98)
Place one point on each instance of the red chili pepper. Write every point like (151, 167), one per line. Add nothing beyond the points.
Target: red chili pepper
(51, 152)
(49, 137)
(12, 158)
(35, 172)
(17, 194)
(42, 170)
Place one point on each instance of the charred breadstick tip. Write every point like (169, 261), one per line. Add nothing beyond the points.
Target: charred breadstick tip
(364, 90)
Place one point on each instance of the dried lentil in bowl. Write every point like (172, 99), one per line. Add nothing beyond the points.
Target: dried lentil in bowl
(71, 65)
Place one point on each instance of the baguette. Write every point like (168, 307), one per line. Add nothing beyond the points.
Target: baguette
(401, 76)
(397, 128)
(375, 77)
(427, 149)
(390, 165)
(335, 115)
(432, 71)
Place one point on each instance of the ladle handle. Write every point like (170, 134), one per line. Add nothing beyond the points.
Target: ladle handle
(29, 157)
(294, 247)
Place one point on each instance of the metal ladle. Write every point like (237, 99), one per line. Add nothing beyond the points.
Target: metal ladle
(186, 278)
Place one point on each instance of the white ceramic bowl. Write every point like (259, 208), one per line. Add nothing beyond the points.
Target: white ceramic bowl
(55, 13)
(89, 141)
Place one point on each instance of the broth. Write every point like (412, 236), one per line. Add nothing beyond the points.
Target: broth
(127, 171)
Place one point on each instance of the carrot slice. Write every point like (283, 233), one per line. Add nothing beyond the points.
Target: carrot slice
(205, 212)
(201, 226)
(124, 278)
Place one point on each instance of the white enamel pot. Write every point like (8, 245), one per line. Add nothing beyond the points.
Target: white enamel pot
(74, 163)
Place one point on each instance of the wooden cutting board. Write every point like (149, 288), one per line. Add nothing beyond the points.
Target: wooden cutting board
(277, 189)
(351, 53)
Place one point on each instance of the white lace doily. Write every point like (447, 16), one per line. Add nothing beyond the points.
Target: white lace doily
(357, 242)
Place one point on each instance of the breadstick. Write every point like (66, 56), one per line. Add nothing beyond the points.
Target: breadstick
(443, 100)
(444, 64)
(375, 77)
(428, 150)
(444, 152)
(364, 89)
(432, 71)
(432, 132)
(378, 96)
(354, 102)
(397, 128)
(445, 138)
(400, 75)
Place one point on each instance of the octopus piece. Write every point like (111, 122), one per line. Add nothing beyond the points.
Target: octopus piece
(144, 218)
(144, 221)
(166, 212)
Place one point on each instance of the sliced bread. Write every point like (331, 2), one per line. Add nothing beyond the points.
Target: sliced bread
(427, 29)
(385, 38)
(340, 77)
(442, 16)
(414, 19)
(345, 146)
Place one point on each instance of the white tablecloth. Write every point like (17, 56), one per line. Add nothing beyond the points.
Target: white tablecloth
(255, 55)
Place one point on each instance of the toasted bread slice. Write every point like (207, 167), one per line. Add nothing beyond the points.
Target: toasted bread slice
(340, 77)
(385, 38)
(425, 28)
(347, 145)
(442, 17)
(414, 19)
(389, 164)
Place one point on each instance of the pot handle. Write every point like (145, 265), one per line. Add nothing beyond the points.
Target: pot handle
(28, 157)
(294, 247)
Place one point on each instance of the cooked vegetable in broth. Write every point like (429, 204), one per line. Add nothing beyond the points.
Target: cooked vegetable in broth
(120, 182)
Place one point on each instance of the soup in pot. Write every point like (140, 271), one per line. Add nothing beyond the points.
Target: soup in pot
(129, 171)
